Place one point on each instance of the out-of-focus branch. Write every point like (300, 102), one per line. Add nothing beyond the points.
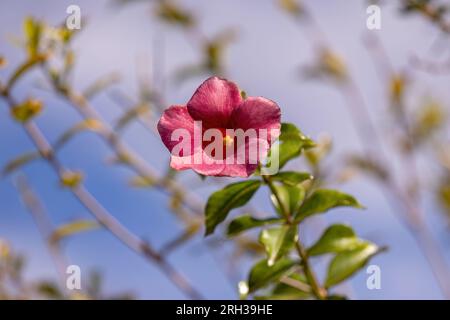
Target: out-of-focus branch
(415, 221)
(43, 224)
(430, 10)
(410, 213)
(123, 152)
(100, 213)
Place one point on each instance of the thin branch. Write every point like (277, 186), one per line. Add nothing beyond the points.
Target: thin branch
(43, 223)
(318, 291)
(101, 214)
(412, 215)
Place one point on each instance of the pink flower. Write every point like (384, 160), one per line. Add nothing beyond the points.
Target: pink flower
(218, 104)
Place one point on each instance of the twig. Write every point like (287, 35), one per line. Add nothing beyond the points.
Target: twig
(318, 291)
(44, 225)
(369, 136)
(101, 214)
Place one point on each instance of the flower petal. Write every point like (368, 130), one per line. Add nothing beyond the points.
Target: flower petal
(246, 158)
(214, 101)
(173, 118)
(207, 166)
(257, 113)
(238, 170)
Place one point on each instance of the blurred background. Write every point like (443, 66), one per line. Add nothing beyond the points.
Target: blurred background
(270, 49)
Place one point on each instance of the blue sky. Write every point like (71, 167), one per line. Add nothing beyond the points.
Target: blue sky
(264, 60)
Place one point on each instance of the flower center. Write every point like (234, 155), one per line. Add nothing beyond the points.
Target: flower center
(227, 141)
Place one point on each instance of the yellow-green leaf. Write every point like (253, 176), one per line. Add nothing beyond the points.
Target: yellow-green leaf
(71, 179)
(72, 228)
(27, 110)
(33, 32)
(292, 178)
(346, 263)
(262, 274)
(277, 242)
(291, 198)
(337, 238)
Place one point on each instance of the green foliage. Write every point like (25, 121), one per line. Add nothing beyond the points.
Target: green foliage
(221, 202)
(323, 200)
(294, 194)
(262, 274)
(291, 198)
(247, 222)
(294, 197)
(284, 292)
(277, 242)
(293, 287)
(346, 263)
(292, 143)
(337, 238)
(292, 178)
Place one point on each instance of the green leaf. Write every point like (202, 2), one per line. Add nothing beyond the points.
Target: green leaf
(337, 238)
(294, 287)
(33, 31)
(292, 178)
(291, 198)
(262, 274)
(291, 143)
(20, 161)
(221, 202)
(346, 263)
(72, 228)
(277, 242)
(323, 200)
(246, 222)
